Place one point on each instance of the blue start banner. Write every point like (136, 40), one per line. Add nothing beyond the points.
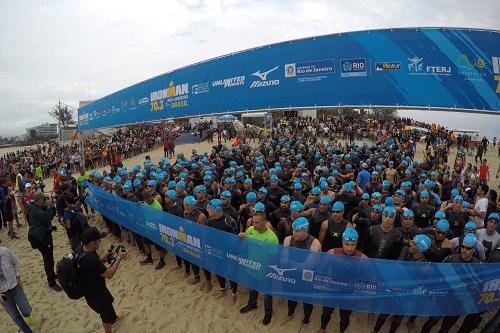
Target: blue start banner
(423, 67)
(368, 285)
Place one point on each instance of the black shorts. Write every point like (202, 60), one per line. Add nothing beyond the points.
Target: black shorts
(105, 309)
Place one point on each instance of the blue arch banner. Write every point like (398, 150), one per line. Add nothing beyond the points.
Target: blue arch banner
(457, 69)
(367, 285)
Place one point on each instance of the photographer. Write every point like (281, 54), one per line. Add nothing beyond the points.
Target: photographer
(93, 273)
(42, 212)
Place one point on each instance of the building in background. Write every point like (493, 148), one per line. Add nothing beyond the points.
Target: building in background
(45, 131)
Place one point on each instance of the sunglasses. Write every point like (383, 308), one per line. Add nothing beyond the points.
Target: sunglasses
(337, 211)
(467, 248)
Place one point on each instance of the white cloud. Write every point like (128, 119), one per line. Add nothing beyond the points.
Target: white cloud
(71, 49)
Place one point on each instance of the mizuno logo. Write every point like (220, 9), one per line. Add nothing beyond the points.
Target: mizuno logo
(263, 76)
(280, 271)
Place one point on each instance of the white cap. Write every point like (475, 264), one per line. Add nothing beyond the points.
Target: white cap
(27, 185)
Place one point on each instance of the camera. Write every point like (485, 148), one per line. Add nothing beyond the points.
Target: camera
(113, 251)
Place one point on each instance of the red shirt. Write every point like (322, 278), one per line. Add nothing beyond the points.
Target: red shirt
(483, 171)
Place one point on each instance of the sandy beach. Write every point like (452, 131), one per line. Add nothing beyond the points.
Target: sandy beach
(162, 301)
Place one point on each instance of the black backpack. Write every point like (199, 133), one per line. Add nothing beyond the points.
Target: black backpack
(68, 277)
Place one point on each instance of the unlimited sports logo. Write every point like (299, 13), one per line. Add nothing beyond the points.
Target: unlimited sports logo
(353, 67)
(229, 82)
(264, 82)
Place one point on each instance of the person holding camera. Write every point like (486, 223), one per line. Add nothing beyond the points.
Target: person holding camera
(12, 296)
(42, 212)
(93, 274)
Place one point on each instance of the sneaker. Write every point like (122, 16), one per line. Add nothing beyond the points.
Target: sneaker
(30, 320)
(248, 308)
(267, 318)
(55, 287)
(118, 320)
(160, 264)
(146, 261)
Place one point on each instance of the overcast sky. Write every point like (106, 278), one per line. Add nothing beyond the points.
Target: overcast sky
(74, 50)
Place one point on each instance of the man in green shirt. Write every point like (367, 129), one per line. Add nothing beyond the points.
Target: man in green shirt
(260, 231)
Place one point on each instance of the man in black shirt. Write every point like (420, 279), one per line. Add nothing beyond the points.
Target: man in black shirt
(281, 213)
(93, 274)
(330, 234)
(219, 220)
(471, 321)
(408, 229)
(384, 241)
(225, 198)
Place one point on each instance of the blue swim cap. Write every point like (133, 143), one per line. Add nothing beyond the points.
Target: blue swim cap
(315, 190)
(181, 185)
(297, 186)
(259, 207)
(301, 223)
(225, 195)
(117, 180)
(137, 183)
(440, 215)
(423, 242)
(400, 193)
(263, 191)
(152, 183)
(128, 185)
(458, 198)
(323, 185)
(285, 198)
(408, 213)
(389, 202)
(171, 184)
(377, 207)
(424, 194)
(365, 196)
(230, 181)
(274, 178)
(325, 200)
(377, 195)
(443, 225)
(171, 194)
(386, 184)
(251, 197)
(189, 200)
(339, 206)
(493, 217)
(389, 210)
(215, 205)
(201, 189)
(247, 181)
(207, 177)
(470, 240)
(455, 192)
(470, 227)
(296, 206)
(350, 235)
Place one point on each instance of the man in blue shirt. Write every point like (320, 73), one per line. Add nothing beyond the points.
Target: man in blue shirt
(363, 177)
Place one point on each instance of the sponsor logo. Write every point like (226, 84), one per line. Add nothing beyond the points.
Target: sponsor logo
(329, 282)
(388, 66)
(472, 70)
(420, 290)
(214, 252)
(174, 96)
(152, 225)
(244, 262)
(496, 71)
(307, 275)
(84, 117)
(353, 67)
(229, 82)
(491, 285)
(264, 82)
(396, 290)
(311, 70)
(366, 286)
(143, 101)
(200, 88)
(416, 67)
(279, 273)
(180, 235)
